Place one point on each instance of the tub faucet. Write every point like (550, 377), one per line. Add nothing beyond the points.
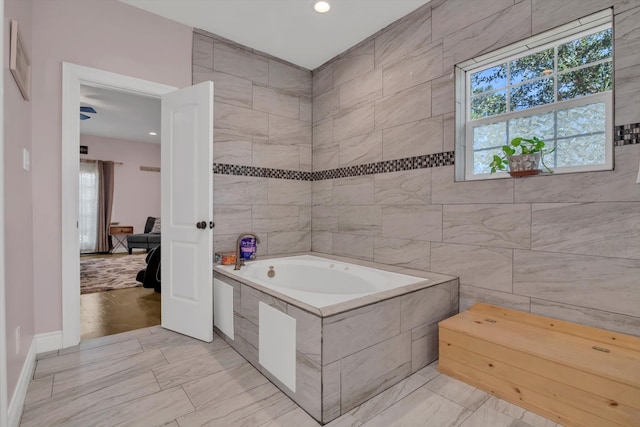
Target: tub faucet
(239, 260)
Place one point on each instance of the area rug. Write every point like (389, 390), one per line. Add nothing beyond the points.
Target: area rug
(110, 272)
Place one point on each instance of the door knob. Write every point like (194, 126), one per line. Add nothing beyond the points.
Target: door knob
(201, 225)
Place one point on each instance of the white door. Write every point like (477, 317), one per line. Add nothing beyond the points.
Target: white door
(187, 212)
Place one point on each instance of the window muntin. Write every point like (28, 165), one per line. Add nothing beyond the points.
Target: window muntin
(560, 92)
(578, 133)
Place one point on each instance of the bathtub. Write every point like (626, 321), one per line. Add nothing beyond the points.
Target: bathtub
(332, 332)
(321, 282)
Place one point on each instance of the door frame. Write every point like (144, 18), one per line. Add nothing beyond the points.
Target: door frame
(73, 76)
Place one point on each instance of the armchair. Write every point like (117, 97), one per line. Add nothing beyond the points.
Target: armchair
(146, 240)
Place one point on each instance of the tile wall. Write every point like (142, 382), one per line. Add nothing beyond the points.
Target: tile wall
(262, 134)
(566, 246)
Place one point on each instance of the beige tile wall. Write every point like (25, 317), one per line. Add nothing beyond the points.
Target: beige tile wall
(566, 245)
(262, 118)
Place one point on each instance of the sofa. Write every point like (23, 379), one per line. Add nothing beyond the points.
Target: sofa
(147, 240)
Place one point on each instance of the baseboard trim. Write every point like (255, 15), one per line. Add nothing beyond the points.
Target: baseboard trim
(40, 343)
(20, 393)
(48, 341)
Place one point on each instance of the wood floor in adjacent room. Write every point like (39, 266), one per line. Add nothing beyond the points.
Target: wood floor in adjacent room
(122, 310)
(155, 377)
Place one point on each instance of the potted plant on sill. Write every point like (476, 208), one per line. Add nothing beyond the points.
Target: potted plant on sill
(523, 157)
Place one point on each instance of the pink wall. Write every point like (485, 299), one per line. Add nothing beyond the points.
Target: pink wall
(104, 34)
(136, 193)
(18, 204)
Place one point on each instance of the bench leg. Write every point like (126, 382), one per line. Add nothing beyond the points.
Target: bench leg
(130, 251)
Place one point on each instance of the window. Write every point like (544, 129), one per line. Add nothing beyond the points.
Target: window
(88, 215)
(556, 86)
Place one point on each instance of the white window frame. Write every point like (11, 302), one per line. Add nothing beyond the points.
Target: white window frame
(465, 126)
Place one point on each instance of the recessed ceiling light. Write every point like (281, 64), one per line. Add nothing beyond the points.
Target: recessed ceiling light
(152, 133)
(321, 6)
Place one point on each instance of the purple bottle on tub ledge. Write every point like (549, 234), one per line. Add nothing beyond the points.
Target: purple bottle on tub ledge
(248, 248)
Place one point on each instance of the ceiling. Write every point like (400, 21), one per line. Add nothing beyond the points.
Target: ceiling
(120, 115)
(287, 29)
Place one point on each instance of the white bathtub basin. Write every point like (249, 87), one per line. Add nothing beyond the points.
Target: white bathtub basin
(320, 282)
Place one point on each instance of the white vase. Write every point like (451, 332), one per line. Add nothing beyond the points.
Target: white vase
(524, 164)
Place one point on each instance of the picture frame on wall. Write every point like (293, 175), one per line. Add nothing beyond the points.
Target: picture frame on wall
(19, 63)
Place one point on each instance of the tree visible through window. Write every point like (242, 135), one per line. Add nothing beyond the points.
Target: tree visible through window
(560, 92)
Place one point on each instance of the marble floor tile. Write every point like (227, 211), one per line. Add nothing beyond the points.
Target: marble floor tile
(54, 365)
(519, 423)
(297, 418)
(223, 385)
(175, 353)
(39, 389)
(346, 420)
(68, 408)
(252, 408)
(164, 338)
(210, 384)
(106, 340)
(105, 373)
(429, 371)
(153, 410)
(387, 398)
(156, 329)
(47, 354)
(458, 392)
(421, 408)
(192, 368)
(518, 413)
(487, 417)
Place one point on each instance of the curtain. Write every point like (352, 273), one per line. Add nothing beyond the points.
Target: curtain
(88, 215)
(105, 204)
(96, 203)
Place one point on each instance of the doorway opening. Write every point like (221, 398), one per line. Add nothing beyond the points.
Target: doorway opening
(75, 76)
(119, 211)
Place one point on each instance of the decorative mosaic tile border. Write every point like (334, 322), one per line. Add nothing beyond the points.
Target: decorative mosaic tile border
(410, 163)
(627, 134)
(227, 169)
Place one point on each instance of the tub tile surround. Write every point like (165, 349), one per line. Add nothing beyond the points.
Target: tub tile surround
(348, 353)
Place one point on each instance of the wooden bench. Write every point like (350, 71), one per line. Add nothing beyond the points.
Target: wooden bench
(573, 374)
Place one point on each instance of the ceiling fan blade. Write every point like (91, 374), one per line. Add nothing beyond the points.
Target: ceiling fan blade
(88, 110)
(84, 116)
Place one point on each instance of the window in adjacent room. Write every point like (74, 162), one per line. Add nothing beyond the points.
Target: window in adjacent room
(88, 216)
(556, 86)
